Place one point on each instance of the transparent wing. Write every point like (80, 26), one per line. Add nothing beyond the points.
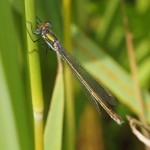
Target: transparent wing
(96, 92)
(85, 77)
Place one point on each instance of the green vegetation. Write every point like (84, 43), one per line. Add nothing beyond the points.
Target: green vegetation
(32, 82)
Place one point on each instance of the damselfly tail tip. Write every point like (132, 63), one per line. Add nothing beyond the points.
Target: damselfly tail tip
(120, 122)
(117, 119)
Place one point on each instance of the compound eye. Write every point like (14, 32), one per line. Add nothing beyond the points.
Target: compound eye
(49, 24)
(37, 31)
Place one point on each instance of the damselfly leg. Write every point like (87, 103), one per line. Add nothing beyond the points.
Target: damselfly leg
(31, 27)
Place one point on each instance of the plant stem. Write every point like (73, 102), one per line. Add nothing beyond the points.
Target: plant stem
(35, 76)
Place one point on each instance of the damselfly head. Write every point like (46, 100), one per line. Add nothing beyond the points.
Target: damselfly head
(43, 26)
(37, 31)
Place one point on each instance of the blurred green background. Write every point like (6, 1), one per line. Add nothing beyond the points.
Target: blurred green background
(97, 39)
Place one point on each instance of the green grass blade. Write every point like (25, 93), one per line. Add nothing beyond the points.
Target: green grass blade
(54, 126)
(20, 112)
(8, 136)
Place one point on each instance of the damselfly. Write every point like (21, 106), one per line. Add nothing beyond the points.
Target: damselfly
(95, 91)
